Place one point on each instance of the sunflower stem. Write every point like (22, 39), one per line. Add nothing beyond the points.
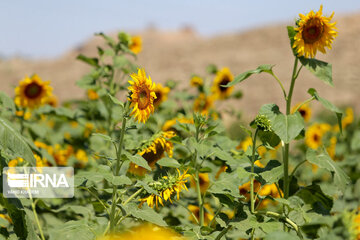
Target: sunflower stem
(200, 199)
(303, 103)
(252, 200)
(117, 168)
(295, 74)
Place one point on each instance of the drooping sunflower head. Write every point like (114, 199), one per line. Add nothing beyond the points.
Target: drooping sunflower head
(136, 44)
(153, 150)
(142, 96)
(314, 32)
(161, 94)
(166, 187)
(223, 77)
(304, 110)
(32, 92)
(203, 104)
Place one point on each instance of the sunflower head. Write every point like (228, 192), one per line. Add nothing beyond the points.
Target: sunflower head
(136, 44)
(304, 110)
(166, 187)
(203, 104)
(161, 94)
(142, 96)
(223, 77)
(32, 92)
(314, 32)
(153, 150)
(315, 133)
(52, 101)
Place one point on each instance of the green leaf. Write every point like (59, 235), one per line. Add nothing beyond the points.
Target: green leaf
(313, 195)
(271, 111)
(72, 230)
(120, 61)
(138, 160)
(355, 141)
(227, 184)
(279, 235)
(121, 180)
(146, 213)
(272, 172)
(7, 102)
(328, 105)
(91, 61)
(115, 100)
(12, 139)
(323, 160)
(288, 127)
(320, 69)
(103, 136)
(168, 162)
(241, 77)
(269, 138)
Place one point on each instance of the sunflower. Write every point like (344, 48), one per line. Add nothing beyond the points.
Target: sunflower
(208, 213)
(222, 169)
(203, 104)
(136, 44)
(223, 77)
(304, 110)
(143, 232)
(32, 92)
(166, 187)
(203, 181)
(196, 81)
(161, 94)
(89, 127)
(92, 94)
(142, 96)
(315, 133)
(153, 151)
(169, 124)
(314, 32)
(357, 224)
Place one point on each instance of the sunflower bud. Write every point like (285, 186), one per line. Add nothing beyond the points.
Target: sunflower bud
(262, 123)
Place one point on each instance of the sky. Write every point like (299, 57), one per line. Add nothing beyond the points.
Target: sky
(47, 29)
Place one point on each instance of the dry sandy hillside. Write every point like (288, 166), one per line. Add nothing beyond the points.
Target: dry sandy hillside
(176, 55)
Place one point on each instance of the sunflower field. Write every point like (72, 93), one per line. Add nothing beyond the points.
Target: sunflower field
(155, 162)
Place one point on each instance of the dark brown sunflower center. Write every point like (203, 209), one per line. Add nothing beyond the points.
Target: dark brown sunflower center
(316, 138)
(158, 97)
(33, 90)
(302, 112)
(152, 158)
(224, 81)
(312, 31)
(144, 99)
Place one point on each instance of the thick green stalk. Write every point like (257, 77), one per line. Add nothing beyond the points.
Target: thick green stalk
(252, 200)
(116, 171)
(200, 200)
(287, 145)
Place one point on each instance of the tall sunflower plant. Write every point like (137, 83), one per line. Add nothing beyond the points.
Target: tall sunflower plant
(313, 32)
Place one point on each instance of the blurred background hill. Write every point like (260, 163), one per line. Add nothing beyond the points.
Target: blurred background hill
(176, 54)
